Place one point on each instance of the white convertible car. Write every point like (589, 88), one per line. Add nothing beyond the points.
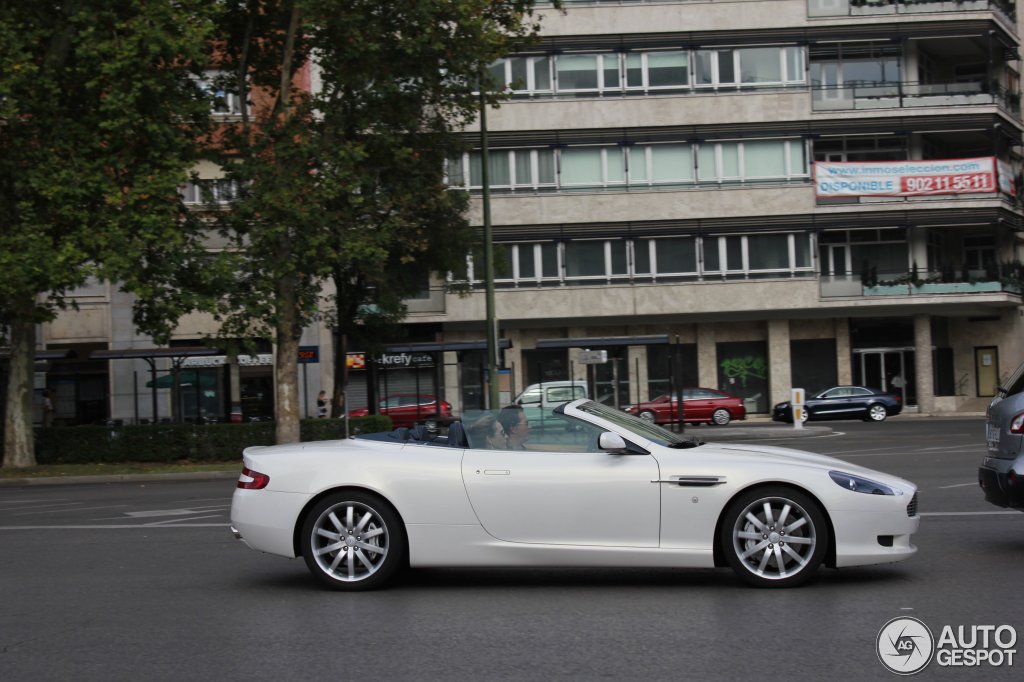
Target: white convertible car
(593, 487)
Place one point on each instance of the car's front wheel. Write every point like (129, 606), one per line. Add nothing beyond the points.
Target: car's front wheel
(647, 415)
(876, 413)
(353, 541)
(774, 537)
(721, 417)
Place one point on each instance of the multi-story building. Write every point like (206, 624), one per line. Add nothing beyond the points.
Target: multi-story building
(756, 195)
(753, 195)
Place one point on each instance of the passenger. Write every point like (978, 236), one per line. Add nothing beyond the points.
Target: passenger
(487, 434)
(517, 427)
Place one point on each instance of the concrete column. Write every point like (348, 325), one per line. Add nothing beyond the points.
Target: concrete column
(780, 370)
(636, 356)
(923, 364)
(918, 238)
(843, 369)
(707, 356)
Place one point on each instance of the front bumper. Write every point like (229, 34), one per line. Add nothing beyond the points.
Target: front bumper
(1001, 481)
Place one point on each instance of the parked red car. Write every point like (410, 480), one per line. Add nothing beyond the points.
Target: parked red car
(700, 405)
(408, 410)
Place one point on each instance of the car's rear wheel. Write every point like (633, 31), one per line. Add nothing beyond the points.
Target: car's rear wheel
(353, 541)
(774, 537)
(721, 417)
(876, 413)
(648, 415)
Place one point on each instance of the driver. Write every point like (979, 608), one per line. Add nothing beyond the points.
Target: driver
(517, 427)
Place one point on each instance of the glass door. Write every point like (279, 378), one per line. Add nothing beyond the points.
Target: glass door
(886, 369)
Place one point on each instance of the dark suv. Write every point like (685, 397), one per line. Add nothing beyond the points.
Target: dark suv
(1001, 475)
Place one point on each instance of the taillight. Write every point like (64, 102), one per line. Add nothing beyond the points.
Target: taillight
(1017, 424)
(252, 480)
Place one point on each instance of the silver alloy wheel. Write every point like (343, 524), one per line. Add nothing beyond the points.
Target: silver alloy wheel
(876, 413)
(804, 415)
(349, 541)
(774, 538)
(647, 415)
(721, 417)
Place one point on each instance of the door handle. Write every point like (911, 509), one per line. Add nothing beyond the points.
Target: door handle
(496, 472)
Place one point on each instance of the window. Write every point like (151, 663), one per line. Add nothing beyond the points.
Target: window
(219, 192)
(529, 263)
(508, 169)
(665, 257)
(220, 87)
(751, 160)
(523, 75)
(758, 255)
(592, 166)
(587, 260)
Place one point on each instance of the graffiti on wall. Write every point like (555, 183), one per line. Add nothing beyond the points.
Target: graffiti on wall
(744, 368)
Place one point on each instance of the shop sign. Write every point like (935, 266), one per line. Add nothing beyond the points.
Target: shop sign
(387, 360)
(219, 360)
(309, 354)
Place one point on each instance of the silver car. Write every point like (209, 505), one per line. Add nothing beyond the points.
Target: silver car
(1001, 475)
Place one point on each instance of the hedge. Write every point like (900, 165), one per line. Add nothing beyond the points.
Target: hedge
(175, 442)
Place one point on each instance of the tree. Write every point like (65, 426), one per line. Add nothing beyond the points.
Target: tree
(99, 123)
(343, 183)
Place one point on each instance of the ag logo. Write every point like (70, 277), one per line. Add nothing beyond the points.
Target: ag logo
(905, 646)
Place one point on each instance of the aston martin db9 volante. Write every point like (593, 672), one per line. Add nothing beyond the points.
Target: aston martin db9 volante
(605, 489)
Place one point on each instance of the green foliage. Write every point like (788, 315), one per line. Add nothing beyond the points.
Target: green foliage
(174, 442)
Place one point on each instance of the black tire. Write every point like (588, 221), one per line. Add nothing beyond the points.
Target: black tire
(353, 541)
(647, 415)
(876, 413)
(765, 555)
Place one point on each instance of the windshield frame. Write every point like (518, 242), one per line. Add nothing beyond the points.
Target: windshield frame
(632, 424)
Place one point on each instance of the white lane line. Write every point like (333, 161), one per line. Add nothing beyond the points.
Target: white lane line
(117, 526)
(957, 485)
(64, 511)
(179, 521)
(40, 506)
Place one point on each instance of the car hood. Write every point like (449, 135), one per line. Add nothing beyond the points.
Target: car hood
(762, 454)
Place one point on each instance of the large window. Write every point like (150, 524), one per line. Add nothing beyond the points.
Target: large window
(649, 259)
(634, 165)
(219, 86)
(639, 72)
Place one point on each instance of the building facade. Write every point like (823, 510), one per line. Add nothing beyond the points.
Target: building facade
(750, 195)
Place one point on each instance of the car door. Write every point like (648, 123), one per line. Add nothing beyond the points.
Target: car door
(563, 491)
(857, 403)
(699, 404)
(829, 404)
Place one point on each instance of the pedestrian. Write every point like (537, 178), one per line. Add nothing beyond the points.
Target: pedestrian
(321, 405)
(47, 408)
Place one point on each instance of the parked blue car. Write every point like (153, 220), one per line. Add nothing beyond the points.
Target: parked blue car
(844, 402)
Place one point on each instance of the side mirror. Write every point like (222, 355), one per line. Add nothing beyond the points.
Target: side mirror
(611, 442)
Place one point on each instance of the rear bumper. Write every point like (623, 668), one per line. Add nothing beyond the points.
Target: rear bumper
(1000, 488)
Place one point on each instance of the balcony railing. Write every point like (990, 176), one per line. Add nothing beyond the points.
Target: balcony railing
(849, 285)
(870, 95)
(860, 8)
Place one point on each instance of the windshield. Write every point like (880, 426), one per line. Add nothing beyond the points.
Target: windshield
(640, 427)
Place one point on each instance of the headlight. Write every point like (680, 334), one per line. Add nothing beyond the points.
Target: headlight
(781, 406)
(859, 484)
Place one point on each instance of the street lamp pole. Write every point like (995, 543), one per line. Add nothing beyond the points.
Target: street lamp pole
(492, 322)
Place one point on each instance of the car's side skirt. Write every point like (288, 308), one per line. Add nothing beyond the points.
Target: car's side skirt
(470, 545)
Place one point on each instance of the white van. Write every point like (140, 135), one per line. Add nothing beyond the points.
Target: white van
(551, 393)
(538, 400)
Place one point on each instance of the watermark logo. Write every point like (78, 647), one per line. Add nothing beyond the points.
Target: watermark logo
(905, 645)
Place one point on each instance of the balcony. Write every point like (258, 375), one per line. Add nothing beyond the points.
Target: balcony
(866, 8)
(862, 96)
(851, 285)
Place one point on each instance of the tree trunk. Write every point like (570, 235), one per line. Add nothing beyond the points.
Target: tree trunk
(286, 362)
(19, 444)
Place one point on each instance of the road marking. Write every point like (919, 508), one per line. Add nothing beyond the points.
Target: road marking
(136, 526)
(62, 511)
(178, 521)
(40, 506)
(957, 485)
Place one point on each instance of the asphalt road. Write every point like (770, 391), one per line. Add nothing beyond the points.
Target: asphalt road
(143, 581)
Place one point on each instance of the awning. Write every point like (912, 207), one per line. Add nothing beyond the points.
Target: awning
(441, 346)
(186, 378)
(603, 341)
